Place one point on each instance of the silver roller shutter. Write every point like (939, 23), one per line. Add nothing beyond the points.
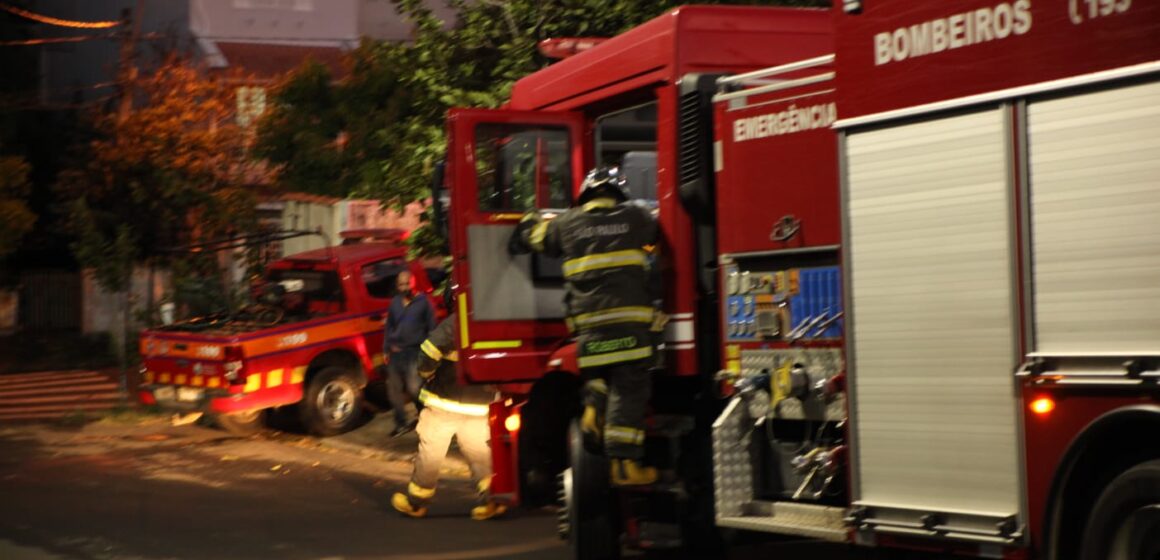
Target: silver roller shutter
(932, 324)
(1095, 211)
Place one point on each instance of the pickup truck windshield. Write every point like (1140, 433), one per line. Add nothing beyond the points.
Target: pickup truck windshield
(308, 291)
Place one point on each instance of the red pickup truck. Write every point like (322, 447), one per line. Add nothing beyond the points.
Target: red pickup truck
(315, 343)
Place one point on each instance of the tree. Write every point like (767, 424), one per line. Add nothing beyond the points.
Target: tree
(174, 170)
(15, 217)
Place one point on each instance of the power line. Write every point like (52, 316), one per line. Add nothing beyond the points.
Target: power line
(53, 40)
(49, 20)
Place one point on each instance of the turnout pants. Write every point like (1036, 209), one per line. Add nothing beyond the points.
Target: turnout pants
(620, 393)
(436, 427)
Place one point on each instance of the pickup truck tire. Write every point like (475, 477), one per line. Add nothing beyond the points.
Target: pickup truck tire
(245, 423)
(1126, 519)
(332, 403)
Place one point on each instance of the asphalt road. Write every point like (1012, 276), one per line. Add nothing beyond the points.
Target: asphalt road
(139, 488)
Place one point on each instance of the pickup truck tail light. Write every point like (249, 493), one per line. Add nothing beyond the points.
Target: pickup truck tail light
(234, 366)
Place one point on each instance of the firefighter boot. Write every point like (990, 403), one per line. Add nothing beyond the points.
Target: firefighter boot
(403, 504)
(592, 427)
(488, 510)
(627, 472)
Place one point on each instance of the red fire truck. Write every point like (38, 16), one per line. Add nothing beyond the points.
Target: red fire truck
(922, 269)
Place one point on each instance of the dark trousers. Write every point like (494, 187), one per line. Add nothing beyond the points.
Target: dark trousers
(620, 394)
(403, 382)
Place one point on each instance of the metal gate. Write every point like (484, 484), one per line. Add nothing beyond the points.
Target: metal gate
(50, 300)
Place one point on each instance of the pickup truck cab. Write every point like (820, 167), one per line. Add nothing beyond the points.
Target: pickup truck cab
(316, 342)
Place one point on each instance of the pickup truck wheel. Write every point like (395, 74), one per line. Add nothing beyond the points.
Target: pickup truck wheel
(246, 423)
(333, 402)
(1126, 519)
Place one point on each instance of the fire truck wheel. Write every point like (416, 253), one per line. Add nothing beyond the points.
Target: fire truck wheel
(1126, 519)
(244, 423)
(588, 512)
(543, 437)
(333, 402)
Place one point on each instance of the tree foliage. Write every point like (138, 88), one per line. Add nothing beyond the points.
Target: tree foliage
(16, 219)
(174, 170)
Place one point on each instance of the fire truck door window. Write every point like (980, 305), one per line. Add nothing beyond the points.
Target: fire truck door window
(520, 167)
(379, 277)
(627, 138)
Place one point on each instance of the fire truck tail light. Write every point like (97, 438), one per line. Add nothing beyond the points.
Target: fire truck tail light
(1042, 405)
(512, 423)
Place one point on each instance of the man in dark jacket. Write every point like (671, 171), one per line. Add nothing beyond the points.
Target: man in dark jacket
(611, 297)
(449, 409)
(409, 318)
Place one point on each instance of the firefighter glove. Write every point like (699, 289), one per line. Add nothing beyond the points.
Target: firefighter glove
(660, 319)
(518, 244)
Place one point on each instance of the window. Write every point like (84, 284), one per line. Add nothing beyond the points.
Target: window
(379, 277)
(520, 167)
(307, 293)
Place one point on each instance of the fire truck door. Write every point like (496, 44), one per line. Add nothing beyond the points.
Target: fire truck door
(502, 164)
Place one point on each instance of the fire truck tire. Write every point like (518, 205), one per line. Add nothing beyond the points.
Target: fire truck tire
(245, 423)
(332, 403)
(543, 437)
(589, 508)
(1125, 521)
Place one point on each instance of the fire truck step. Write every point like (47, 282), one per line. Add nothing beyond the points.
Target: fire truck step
(651, 535)
(789, 518)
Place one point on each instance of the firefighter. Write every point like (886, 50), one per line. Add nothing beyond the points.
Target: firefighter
(611, 297)
(449, 409)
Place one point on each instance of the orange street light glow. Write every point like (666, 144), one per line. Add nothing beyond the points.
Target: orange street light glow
(1042, 405)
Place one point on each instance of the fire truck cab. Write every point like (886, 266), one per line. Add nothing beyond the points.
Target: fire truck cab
(640, 100)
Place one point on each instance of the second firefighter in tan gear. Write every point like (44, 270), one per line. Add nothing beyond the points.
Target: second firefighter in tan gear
(450, 410)
(611, 294)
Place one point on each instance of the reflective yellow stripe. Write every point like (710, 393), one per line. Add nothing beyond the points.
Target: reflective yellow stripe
(453, 356)
(492, 344)
(163, 378)
(431, 350)
(435, 401)
(213, 382)
(420, 492)
(622, 434)
(253, 382)
(536, 237)
(599, 203)
(616, 357)
(631, 314)
(298, 375)
(274, 378)
(614, 259)
(483, 485)
(598, 385)
(378, 360)
(198, 381)
(149, 378)
(464, 342)
(180, 379)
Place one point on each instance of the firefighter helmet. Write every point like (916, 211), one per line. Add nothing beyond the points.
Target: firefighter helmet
(603, 182)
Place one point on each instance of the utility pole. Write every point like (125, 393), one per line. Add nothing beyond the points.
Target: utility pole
(127, 74)
(127, 78)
